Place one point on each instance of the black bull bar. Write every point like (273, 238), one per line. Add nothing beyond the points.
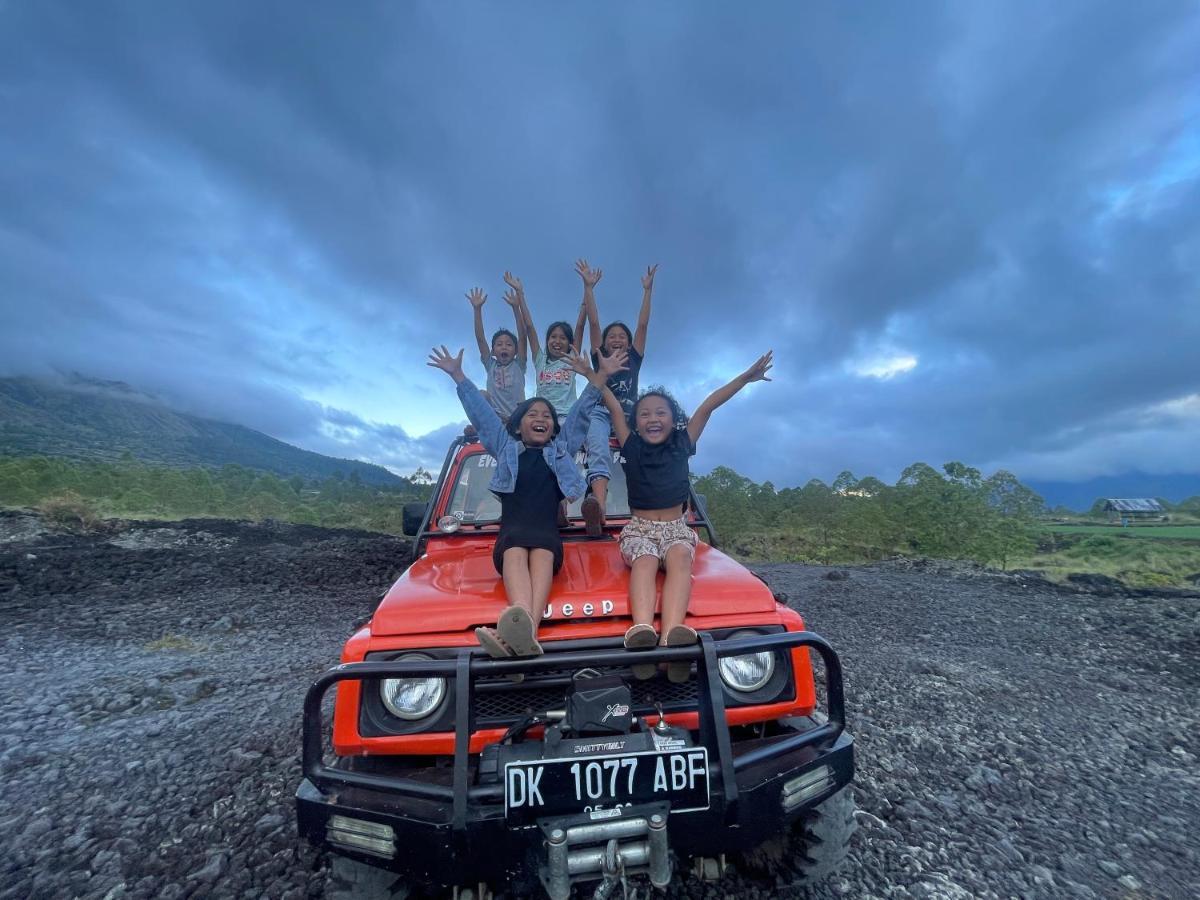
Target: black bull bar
(714, 733)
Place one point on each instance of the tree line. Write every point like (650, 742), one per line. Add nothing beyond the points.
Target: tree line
(139, 490)
(956, 513)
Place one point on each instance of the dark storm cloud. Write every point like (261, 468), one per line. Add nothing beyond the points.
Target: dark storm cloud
(268, 214)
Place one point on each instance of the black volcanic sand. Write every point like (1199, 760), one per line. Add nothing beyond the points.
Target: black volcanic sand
(1013, 740)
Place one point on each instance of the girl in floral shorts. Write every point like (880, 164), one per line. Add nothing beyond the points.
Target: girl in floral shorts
(656, 451)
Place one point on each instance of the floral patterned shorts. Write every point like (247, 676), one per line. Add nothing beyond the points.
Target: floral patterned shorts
(645, 537)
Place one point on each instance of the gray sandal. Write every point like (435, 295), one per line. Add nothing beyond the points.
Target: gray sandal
(491, 642)
(515, 627)
(496, 648)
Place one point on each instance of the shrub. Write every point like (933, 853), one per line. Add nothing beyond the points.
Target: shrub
(69, 512)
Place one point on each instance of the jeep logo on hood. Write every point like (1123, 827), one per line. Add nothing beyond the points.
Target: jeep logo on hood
(567, 610)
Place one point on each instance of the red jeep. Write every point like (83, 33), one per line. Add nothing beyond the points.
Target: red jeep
(446, 774)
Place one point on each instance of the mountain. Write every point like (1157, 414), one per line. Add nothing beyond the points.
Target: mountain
(101, 420)
(1080, 495)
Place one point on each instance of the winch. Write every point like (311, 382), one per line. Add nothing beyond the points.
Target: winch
(596, 719)
(601, 705)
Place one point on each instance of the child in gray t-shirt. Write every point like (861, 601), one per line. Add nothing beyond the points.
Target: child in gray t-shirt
(504, 359)
(553, 376)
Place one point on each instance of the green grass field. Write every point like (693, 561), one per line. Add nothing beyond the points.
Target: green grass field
(1177, 532)
(1120, 554)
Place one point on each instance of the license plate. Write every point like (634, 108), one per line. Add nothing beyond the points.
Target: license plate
(592, 783)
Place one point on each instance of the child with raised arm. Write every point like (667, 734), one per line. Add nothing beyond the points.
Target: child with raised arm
(503, 359)
(657, 537)
(615, 338)
(535, 470)
(553, 374)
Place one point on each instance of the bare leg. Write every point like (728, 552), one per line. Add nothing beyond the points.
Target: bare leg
(541, 573)
(517, 584)
(600, 490)
(642, 588)
(677, 588)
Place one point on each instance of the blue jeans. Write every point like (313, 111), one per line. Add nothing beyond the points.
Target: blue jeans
(598, 452)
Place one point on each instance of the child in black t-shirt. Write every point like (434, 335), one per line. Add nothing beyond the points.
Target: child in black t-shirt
(656, 473)
(615, 338)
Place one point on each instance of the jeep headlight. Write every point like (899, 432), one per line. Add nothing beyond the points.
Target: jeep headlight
(412, 698)
(748, 672)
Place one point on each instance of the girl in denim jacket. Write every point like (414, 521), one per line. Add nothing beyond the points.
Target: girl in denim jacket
(535, 471)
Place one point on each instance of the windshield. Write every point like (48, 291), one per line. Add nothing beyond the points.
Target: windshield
(472, 502)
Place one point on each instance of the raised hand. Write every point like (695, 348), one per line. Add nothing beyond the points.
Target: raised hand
(609, 365)
(648, 278)
(477, 297)
(451, 365)
(514, 282)
(758, 371)
(578, 362)
(591, 277)
(614, 363)
(512, 298)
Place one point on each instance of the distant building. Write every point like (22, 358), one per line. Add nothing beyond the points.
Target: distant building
(1127, 510)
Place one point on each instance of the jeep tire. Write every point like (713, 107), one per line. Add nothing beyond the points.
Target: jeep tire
(352, 880)
(812, 848)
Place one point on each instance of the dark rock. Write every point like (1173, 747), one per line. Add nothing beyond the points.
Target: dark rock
(211, 870)
(268, 822)
(991, 725)
(1010, 853)
(206, 687)
(1097, 584)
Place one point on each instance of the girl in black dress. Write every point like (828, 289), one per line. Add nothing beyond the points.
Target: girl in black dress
(535, 470)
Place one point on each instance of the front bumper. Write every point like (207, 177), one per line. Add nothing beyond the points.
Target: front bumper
(439, 826)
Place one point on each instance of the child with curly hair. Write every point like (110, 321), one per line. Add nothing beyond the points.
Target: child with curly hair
(656, 452)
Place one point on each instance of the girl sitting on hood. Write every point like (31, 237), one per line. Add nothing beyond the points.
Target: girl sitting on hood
(535, 470)
(656, 448)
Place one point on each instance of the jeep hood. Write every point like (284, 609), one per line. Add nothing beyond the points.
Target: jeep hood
(454, 586)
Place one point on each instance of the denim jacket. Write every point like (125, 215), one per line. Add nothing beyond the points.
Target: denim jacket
(559, 453)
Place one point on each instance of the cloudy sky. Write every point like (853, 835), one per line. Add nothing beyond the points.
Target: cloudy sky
(968, 230)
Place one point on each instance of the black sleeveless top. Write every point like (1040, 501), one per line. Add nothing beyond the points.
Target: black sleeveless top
(529, 514)
(657, 474)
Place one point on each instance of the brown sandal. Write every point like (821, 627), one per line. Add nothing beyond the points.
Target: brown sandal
(642, 637)
(680, 670)
(593, 515)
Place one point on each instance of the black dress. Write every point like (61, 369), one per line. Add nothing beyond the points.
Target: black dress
(529, 514)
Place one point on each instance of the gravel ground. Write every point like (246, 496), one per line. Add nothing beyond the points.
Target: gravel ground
(1013, 740)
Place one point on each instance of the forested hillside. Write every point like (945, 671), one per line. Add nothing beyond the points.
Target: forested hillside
(105, 421)
(956, 513)
(78, 493)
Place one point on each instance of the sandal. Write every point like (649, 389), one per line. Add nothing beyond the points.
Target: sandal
(496, 648)
(593, 515)
(680, 670)
(642, 637)
(516, 629)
